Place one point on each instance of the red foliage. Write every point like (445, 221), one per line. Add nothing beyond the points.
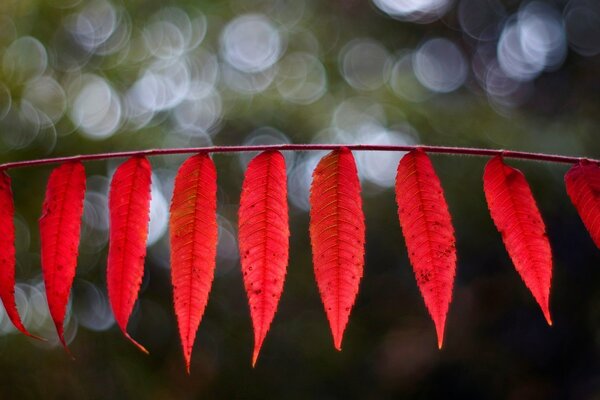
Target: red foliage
(264, 239)
(583, 186)
(518, 220)
(7, 253)
(337, 232)
(428, 233)
(129, 207)
(60, 226)
(193, 235)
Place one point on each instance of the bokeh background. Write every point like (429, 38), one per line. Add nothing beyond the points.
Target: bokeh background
(81, 76)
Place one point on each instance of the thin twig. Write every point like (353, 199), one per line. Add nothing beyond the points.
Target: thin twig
(554, 158)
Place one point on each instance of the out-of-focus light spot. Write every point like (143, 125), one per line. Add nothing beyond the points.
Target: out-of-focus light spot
(168, 84)
(251, 43)
(362, 63)
(47, 136)
(379, 167)
(440, 65)
(481, 19)
(39, 316)
(403, 82)
(355, 111)
(22, 126)
(227, 248)
(300, 178)
(91, 307)
(422, 11)
(504, 92)
(47, 96)
(118, 40)
(204, 73)
(266, 135)
(301, 78)
(93, 25)
(199, 26)
(24, 59)
(532, 42)
(96, 211)
(200, 113)
(248, 83)
(23, 306)
(96, 108)
(94, 232)
(159, 213)
(164, 40)
(582, 18)
(164, 85)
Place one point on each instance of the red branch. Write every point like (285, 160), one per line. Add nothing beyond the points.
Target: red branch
(470, 151)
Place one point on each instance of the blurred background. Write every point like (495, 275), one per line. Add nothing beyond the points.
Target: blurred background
(81, 76)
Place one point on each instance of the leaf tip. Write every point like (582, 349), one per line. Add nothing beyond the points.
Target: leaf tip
(138, 345)
(546, 312)
(187, 357)
(337, 341)
(439, 328)
(61, 338)
(36, 337)
(257, 346)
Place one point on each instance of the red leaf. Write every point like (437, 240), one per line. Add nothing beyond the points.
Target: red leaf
(129, 207)
(428, 233)
(583, 187)
(193, 233)
(518, 220)
(7, 253)
(60, 226)
(337, 233)
(264, 239)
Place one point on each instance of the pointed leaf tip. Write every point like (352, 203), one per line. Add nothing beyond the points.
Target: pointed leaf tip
(337, 233)
(193, 235)
(428, 233)
(547, 316)
(439, 330)
(264, 239)
(61, 338)
(517, 217)
(60, 226)
(129, 208)
(337, 341)
(135, 343)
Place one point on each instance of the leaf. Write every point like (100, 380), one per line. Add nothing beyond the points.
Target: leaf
(264, 239)
(7, 253)
(337, 233)
(518, 220)
(60, 226)
(193, 234)
(428, 233)
(129, 208)
(583, 186)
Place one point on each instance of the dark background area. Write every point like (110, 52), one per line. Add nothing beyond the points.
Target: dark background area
(92, 76)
